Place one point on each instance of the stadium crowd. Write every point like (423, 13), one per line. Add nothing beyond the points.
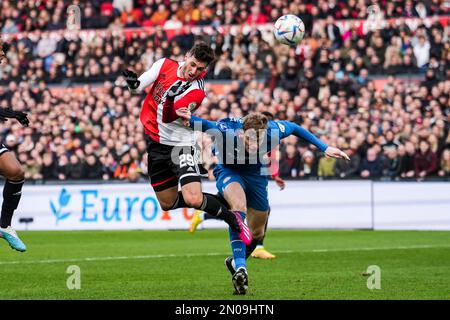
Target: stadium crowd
(59, 57)
(324, 84)
(25, 15)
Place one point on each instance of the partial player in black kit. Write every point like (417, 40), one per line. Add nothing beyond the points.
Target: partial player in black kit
(11, 169)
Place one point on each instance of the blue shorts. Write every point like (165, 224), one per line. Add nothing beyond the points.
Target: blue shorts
(254, 184)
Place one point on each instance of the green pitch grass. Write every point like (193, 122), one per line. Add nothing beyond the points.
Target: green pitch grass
(178, 265)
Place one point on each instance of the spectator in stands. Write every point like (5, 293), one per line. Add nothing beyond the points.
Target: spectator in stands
(123, 5)
(407, 153)
(108, 166)
(308, 165)
(32, 169)
(425, 161)
(92, 168)
(445, 164)
(9, 27)
(36, 15)
(63, 167)
(421, 47)
(160, 16)
(290, 162)
(389, 142)
(372, 165)
(409, 65)
(333, 33)
(256, 16)
(392, 164)
(74, 168)
(49, 169)
(127, 169)
(330, 92)
(348, 169)
(392, 51)
(326, 168)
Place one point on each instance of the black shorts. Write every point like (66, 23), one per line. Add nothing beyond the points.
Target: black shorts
(3, 149)
(168, 165)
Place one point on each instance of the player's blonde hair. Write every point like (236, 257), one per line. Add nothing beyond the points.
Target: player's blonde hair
(255, 121)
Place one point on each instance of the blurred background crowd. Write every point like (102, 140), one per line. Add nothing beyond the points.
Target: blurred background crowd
(30, 15)
(85, 123)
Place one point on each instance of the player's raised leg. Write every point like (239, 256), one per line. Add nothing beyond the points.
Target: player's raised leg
(200, 216)
(12, 191)
(191, 196)
(166, 173)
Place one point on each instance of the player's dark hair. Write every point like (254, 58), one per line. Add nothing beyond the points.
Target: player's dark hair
(256, 121)
(268, 115)
(202, 52)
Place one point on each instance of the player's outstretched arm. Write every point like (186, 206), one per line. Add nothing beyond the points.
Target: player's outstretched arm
(295, 129)
(137, 85)
(196, 123)
(8, 113)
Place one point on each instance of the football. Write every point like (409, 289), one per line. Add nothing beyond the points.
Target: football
(289, 29)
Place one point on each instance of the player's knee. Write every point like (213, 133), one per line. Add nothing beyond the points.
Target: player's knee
(238, 205)
(193, 199)
(16, 173)
(165, 206)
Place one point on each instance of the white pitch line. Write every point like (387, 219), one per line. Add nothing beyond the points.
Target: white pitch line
(162, 256)
(154, 256)
(382, 248)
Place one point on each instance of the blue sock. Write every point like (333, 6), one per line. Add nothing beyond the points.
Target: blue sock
(238, 248)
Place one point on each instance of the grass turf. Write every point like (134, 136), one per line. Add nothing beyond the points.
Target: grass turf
(178, 265)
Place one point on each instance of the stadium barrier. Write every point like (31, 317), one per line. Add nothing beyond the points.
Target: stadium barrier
(302, 205)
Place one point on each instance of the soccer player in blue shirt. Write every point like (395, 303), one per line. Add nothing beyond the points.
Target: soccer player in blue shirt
(260, 251)
(241, 145)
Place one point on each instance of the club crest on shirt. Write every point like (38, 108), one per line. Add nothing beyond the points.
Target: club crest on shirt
(222, 126)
